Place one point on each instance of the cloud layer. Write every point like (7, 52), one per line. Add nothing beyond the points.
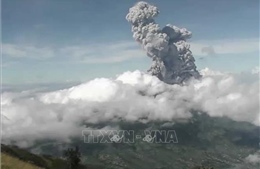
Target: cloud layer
(125, 50)
(132, 96)
(253, 158)
(225, 46)
(94, 53)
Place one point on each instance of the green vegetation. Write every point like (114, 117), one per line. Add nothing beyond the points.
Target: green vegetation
(9, 162)
(24, 155)
(13, 157)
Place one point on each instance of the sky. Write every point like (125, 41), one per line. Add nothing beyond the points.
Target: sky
(65, 41)
(72, 62)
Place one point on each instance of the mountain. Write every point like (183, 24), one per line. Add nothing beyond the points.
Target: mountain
(217, 142)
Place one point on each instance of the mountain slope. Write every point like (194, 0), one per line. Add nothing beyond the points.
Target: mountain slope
(215, 142)
(13, 157)
(10, 162)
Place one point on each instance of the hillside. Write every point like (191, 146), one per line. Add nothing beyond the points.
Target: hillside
(10, 162)
(202, 141)
(13, 157)
(213, 142)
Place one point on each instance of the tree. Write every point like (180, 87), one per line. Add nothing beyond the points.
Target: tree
(72, 157)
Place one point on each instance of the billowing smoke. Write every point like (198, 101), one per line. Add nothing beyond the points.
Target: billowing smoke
(173, 62)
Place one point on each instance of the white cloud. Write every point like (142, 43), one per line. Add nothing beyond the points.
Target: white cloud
(225, 46)
(256, 70)
(95, 53)
(132, 96)
(103, 53)
(27, 51)
(251, 161)
(253, 158)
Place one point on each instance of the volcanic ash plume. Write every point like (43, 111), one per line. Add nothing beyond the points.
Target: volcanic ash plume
(173, 62)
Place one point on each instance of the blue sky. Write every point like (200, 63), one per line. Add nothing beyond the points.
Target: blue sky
(58, 41)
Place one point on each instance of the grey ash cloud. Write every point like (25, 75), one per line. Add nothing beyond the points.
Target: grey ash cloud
(173, 61)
